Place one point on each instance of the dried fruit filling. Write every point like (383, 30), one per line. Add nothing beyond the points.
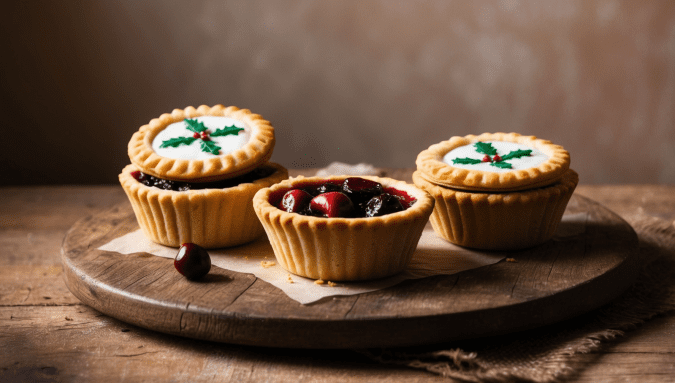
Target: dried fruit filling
(352, 198)
(164, 184)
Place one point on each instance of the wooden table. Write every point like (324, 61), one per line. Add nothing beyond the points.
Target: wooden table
(47, 334)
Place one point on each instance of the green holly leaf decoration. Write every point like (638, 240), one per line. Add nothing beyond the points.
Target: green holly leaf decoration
(517, 154)
(485, 148)
(501, 165)
(209, 147)
(194, 125)
(227, 131)
(466, 161)
(173, 142)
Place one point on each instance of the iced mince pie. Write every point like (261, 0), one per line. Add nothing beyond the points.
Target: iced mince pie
(194, 172)
(343, 228)
(496, 191)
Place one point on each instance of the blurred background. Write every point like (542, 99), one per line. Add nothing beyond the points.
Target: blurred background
(351, 80)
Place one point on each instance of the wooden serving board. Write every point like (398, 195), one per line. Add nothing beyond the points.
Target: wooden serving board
(549, 283)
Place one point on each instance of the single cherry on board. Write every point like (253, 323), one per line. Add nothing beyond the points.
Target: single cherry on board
(333, 204)
(193, 261)
(296, 200)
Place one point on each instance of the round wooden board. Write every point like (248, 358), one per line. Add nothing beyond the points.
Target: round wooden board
(549, 283)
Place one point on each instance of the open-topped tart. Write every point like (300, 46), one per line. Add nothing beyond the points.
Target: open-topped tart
(194, 173)
(339, 230)
(497, 191)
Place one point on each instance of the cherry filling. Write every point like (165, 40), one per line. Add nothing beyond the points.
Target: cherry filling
(354, 197)
(152, 181)
(295, 201)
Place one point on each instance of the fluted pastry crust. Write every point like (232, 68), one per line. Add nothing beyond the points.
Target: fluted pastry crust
(343, 249)
(211, 218)
(431, 167)
(499, 221)
(257, 151)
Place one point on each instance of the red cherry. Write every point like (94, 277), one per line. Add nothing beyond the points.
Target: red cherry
(360, 190)
(333, 204)
(196, 135)
(295, 201)
(137, 175)
(487, 158)
(496, 158)
(192, 261)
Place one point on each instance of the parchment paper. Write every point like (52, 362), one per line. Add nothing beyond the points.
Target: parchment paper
(433, 256)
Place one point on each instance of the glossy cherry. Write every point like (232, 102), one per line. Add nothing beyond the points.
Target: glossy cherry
(295, 201)
(383, 204)
(193, 261)
(361, 190)
(141, 177)
(333, 204)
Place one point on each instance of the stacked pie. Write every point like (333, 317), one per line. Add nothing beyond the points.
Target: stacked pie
(194, 172)
(496, 191)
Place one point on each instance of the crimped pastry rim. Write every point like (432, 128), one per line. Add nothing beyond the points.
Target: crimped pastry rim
(419, 209)
(570, 179)
(128, 181)
(254, 153)
(432, 168)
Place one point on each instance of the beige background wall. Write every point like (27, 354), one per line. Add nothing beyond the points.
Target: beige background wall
(350, 81)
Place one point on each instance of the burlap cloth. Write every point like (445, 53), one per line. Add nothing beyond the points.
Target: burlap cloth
(548, 354)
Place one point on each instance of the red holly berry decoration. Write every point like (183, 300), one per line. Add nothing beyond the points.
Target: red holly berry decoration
(487, 158)
(200, 132)
(496, 158)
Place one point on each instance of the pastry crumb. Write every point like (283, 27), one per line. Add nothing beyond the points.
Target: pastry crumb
(319, 282)
(332, 284)
(511, 260)
(290, 280)
(69, 318)
(267, 264)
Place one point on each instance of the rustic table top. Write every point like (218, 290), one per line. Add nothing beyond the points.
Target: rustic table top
(47, 334)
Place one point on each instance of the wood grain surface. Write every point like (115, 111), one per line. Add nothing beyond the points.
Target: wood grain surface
(546, 284)
(48, 334)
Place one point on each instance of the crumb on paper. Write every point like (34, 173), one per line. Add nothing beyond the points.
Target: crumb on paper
(332, 284)
(319, 282)
(267, 264)
(290, 280)
(511, 260)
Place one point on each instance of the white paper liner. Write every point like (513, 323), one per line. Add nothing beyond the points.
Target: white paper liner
(433, 256)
